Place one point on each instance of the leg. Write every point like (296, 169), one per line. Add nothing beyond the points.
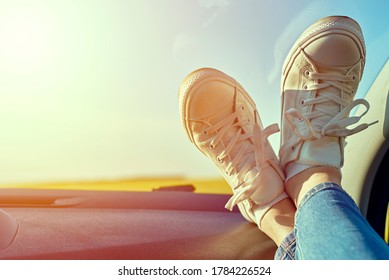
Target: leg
(278, 222)
(329, 224)
(320, 77)
(299, 185)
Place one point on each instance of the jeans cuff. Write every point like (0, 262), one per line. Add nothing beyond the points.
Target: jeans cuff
(286, 250)
(314, 190)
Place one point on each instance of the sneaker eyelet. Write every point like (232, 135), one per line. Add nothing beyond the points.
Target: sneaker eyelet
(354, 77)
(219, 159)
(302, 102)
(305, 87)
(307, 73)
(242, 108)
(212, 146)
(205, 132)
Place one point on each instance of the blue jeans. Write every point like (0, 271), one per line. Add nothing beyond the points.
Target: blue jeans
(329, 225)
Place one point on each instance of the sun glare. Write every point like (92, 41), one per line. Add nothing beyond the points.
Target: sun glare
(27, 39)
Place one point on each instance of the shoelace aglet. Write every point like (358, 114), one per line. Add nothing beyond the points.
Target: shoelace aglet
(372, 123)
(365, 126)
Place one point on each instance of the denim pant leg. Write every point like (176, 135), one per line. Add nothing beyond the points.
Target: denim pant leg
(287, 248)
(329, 225)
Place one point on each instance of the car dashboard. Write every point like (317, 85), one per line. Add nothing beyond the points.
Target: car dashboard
(104, 225)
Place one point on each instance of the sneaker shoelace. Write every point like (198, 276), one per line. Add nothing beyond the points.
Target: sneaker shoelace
(239, 150)
(338, 120)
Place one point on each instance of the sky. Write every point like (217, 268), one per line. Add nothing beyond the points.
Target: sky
(88, 89)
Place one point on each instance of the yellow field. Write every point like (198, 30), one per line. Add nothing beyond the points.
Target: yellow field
(201, 185)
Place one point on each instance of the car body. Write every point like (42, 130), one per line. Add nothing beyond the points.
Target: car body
(367, 158)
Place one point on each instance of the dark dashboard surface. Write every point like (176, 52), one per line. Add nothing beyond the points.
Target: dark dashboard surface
(59, 224)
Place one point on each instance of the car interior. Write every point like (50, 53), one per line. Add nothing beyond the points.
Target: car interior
(92, 225)
(90, 94)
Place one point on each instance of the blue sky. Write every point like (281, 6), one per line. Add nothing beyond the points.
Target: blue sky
(89, 89)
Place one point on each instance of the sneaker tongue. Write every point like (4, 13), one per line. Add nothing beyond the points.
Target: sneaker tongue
(328, 105)
(328, 69)
(231, 133)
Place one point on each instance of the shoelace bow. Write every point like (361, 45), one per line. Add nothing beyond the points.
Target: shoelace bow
(242, 162)
(337, 126)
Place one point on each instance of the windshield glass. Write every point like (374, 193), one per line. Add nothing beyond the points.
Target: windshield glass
(89, 88)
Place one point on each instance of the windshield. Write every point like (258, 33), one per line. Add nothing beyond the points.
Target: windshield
(89, 88)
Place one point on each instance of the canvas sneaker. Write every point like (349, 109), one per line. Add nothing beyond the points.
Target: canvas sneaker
(222, 121)
(320, 77)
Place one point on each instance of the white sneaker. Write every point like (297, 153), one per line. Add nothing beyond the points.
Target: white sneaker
(222, 121)
(319, 80)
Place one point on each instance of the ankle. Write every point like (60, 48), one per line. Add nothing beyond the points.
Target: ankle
(300, 184)
(278, 221)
